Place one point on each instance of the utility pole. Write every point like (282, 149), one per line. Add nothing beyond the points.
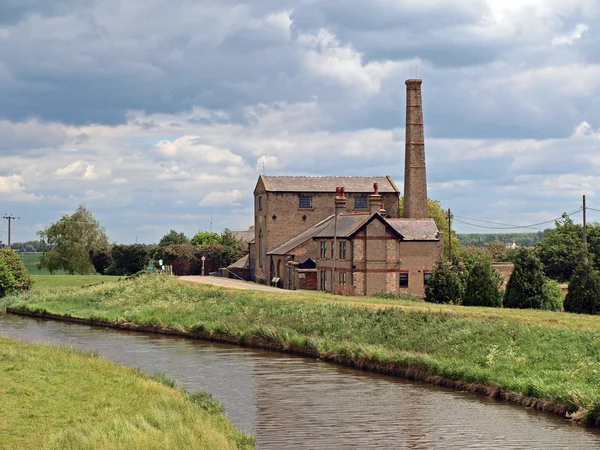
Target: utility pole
(584, 231)
(450, 233)
(10, 219)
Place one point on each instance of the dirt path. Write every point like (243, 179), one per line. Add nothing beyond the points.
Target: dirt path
(235, 284)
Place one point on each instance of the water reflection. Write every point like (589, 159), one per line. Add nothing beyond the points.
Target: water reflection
(291, 402)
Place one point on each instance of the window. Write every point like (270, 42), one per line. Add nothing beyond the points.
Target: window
(323, 280)
(260, 248)
(404, 279)
(342, 277)
(305, 202)
(260, 202)
(323, 249)
(343, 245)
(332, 249)
(360, 202)
(426, 278)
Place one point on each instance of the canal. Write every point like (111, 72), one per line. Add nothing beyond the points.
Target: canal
(292, 402)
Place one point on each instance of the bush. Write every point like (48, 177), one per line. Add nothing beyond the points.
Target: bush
(8, 284)
(584, 290)
(528, 286)
(17, 268)
(128, 259)
(101, 259)
(482, 284)
(445, 285)
(555, 295)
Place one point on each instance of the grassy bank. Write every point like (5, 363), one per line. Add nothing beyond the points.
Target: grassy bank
(59, 398)
(555, 361)
(43, 282)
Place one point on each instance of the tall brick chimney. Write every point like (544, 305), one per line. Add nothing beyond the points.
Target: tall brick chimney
(415, 180)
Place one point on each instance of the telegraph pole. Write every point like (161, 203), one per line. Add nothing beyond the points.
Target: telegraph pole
(10, 218)
(450, 232)
(584, 230)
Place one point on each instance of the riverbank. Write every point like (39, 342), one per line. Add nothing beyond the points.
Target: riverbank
(553, 368)
(60, 398)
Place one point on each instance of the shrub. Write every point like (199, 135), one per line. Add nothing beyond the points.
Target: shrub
(482, 284)
(128, 259)
(8, 283)
(17, 268)
(528, 286)
(101, 259)
(445, 285)
(555, 295)
(584, 290)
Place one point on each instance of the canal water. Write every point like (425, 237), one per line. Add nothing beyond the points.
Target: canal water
(297, 403)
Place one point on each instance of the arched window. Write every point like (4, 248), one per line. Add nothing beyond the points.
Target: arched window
(260, 248)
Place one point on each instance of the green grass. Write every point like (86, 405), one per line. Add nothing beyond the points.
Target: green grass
(31, 260)
(43, 282)
(546, 355)
(59, 398)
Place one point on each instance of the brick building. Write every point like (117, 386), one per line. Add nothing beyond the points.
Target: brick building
(344, 234)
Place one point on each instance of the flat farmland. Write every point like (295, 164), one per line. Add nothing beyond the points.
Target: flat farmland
(31, 261)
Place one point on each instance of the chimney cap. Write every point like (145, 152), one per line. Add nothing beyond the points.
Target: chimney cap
(414, 81)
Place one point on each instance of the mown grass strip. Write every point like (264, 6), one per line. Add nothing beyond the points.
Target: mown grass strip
(554, 368)
(60, 398)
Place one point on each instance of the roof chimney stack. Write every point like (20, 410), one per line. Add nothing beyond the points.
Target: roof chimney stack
(415, 181)
(374, 199)
(340, 199)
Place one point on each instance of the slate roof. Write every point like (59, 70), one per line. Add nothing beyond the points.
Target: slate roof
(416, 229)
(244, 236)
(328, 184)
(347, 224)
(301, 238)
(242, 263)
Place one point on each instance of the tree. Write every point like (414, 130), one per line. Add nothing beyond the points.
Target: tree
(482, 284)
(445, 285)
(440, 216)
(584, 290)
(8, 284)
(206, 238)
(172, 238)
(70, 241)
(561, 249)
(528, 287)
(128, 259)
(12, 259)
(101, 258)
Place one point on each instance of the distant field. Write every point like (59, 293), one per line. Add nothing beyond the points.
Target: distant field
(31, 261)
(69, 281)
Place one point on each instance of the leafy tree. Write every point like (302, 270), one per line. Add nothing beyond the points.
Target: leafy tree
(8, 284)
(19, 278)
(206, 238)
(584, 290)
(101, 258)
(445, 285)
(561, 249)
(440, 216)
(528, 285)
(172, 238)
(70, 241)
(128, 259)
(521, 239)
(482, 284)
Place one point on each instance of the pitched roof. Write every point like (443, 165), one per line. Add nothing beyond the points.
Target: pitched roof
(416, 229)
(244, 236)
(328, 184)
(301, 238)
(347, 225)
(242, 263)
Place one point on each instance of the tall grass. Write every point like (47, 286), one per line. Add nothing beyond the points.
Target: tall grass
(544, 359)
(58, 398)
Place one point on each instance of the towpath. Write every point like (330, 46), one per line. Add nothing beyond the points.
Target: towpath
(235, 284)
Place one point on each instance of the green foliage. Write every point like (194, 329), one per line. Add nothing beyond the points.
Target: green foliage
(206, 238)
(128, 259)
(561, 249)
(445, 284)
(70, 241)
(8, 284)
(164, 379)
(17, 268)
(555, 295)
(172, 238)
(528, 287)
(521, 239)
(584, 290)
(30, 246)
(440, 216)
(482, 284)
(101, 258)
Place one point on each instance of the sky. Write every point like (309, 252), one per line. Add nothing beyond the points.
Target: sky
(160, 114)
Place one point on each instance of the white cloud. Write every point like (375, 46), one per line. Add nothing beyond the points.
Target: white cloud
(570, 38)
(228, 198)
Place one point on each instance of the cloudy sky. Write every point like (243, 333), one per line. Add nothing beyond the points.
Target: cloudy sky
(153, 113)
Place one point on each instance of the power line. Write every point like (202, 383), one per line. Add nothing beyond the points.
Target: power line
(506, 226)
